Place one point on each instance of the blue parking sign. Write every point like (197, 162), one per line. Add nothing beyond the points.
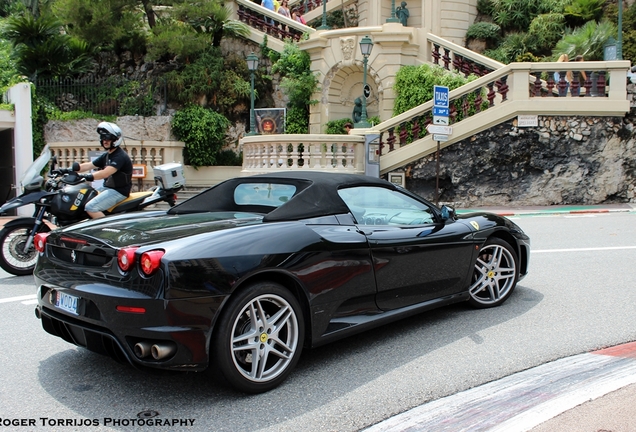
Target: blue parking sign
(440, 97)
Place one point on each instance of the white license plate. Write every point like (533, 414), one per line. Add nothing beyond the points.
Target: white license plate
(66, 302)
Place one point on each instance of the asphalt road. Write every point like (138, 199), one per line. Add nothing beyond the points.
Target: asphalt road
(578, 297)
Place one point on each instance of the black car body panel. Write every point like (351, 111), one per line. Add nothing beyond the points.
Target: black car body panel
(347, 273)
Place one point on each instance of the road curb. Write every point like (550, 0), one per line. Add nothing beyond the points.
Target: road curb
(545, 211)
(526, 399)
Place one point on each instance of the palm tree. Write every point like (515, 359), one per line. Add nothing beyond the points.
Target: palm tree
(211, 17)
(40, 49)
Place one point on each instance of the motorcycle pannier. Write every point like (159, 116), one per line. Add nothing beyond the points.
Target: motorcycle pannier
(171, 174)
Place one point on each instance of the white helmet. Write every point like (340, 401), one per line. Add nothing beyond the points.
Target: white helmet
(110, 131)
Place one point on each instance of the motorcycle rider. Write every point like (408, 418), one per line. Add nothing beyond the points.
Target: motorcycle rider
(114, 166)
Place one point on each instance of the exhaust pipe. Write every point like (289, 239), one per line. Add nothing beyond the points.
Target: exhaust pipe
(161, 351)
(142, 349)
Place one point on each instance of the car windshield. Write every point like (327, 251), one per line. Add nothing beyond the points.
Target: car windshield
(265, 194)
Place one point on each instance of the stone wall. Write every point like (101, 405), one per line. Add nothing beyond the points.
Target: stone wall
(133, 127)
(564, 160)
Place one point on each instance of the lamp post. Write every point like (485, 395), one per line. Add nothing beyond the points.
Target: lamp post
(324, 25)
(252, 65)
(366, 45)
(393, 18)
(619, 42)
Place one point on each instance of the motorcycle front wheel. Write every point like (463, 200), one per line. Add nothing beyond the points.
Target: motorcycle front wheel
(13, 258)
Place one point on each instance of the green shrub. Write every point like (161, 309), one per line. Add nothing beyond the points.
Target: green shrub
(515, 14)
(229, 158)
(546, 30)
(489, 32)
(629, 46)
(513, 46)
(414, 85)
(336, 127)
(297, 121)
(203, 132)
(498, 54)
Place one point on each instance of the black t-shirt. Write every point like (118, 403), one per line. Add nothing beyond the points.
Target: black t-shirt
(121, 181)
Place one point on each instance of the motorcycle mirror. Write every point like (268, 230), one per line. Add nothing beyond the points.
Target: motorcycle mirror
(76, 166)
(53, 164)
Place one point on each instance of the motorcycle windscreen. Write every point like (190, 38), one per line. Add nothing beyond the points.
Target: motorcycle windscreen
(36, 167)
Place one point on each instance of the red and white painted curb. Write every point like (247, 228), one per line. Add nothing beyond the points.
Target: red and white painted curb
(526, 399)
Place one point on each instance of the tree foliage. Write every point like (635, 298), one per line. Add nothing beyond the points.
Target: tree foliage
(39, 49)
(8, 70)
(110, 24)
(174, 39)
(211, 18)
(588, 41)
(299, 84)
(578, 12)
(213, 80)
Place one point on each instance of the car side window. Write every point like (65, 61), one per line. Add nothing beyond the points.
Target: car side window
(379, 206)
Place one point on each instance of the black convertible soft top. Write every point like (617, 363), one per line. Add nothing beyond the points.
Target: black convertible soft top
(316, 195)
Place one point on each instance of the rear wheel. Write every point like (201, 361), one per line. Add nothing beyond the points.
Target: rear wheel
(259, 338)
(14, 258)
(495, 274)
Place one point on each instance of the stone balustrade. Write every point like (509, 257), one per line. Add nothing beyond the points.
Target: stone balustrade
(333, 153)
(515, 89)
(149, 153)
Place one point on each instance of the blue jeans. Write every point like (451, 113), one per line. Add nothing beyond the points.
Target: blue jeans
(106, 199)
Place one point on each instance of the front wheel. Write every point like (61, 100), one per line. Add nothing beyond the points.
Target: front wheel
(495, 274)
(259, 338)
(14, 258)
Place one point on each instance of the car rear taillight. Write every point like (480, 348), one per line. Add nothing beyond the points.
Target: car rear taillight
(126, 258)
(39, 241)
(130, 309)
(150, 261)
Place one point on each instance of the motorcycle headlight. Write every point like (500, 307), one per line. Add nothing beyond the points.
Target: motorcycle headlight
(35, 184)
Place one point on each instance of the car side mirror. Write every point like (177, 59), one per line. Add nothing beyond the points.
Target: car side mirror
(448, 213)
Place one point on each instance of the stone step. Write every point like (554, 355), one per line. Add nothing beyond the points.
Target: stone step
(182, 195)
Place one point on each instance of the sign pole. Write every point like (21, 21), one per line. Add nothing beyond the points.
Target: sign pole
(440, 128)
(437, 178)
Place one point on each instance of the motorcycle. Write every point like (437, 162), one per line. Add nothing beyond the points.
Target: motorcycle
(59, 202)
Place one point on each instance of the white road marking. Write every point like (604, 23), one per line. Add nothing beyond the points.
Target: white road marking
(582, 249)
(30, 302)
(19, 298)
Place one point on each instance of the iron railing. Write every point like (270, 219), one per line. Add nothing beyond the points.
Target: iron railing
(114, 95)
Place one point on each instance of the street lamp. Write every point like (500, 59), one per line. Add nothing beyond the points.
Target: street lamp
(393, 18)
(366, 45)
(252, 65)
(619, 42)
(324, 25)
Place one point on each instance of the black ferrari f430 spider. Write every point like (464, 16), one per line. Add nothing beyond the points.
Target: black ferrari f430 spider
(243, 276)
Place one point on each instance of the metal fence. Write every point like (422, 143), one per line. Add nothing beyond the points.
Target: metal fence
(115, 95)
